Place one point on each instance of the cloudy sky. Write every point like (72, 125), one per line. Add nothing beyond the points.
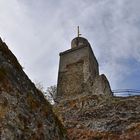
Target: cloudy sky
(37, 30)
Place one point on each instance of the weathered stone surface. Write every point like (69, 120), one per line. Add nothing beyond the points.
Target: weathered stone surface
(101, 86)
(78, 71)
(89, 117)
(79, 42)
(24, 112)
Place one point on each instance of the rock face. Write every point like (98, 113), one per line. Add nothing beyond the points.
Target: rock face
(94, 117)
(24, 112)
(86, 106)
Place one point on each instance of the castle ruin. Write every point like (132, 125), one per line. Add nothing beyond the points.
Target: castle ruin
(79, 71)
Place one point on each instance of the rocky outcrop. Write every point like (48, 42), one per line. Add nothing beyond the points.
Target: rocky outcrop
(101, 86)
(24, 112)
(96, 117)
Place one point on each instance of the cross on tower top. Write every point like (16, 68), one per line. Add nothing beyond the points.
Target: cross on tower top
(78, 32)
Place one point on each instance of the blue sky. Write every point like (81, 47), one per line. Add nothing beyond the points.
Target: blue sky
(36, 31)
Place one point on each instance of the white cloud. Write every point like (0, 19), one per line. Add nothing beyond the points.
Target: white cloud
(36, 31)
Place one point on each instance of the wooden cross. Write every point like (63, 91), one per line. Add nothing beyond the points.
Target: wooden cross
(78, 32)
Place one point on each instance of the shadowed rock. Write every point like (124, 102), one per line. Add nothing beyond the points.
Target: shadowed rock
(24, 112)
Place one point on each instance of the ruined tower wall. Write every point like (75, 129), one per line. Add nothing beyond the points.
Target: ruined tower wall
(76, 67)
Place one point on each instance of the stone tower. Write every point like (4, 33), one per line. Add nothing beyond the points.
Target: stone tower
(78, 70)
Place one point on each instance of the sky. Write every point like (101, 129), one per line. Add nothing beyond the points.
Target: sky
(38, 30)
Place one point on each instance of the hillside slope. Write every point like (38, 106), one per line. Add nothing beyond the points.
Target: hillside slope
(24, 112)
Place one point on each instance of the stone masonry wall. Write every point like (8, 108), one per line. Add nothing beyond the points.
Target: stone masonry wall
(77, 66)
